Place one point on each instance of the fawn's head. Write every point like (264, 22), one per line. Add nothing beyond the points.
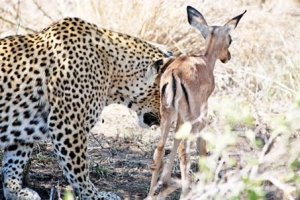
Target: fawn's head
(217, 38)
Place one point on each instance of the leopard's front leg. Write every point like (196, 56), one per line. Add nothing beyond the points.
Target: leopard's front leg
(69, 141)
(14, 160)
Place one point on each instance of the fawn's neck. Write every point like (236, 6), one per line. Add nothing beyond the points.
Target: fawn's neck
(211, 51)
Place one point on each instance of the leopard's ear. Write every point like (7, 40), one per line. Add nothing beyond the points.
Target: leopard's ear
(165, 65)
(158, 67)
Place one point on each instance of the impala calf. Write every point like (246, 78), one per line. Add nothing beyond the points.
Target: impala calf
(185, 88)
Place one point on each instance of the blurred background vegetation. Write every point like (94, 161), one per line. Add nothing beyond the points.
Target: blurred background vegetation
(254, 111)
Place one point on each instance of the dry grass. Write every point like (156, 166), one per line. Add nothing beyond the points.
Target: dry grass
(257, 95)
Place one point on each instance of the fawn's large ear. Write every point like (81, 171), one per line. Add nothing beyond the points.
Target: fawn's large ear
(231, 24)
(197, 20)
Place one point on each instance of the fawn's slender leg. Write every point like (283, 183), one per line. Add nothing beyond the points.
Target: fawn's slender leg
(184, 156)
(184, 168)
(201, 143)
(201, 146)
(159, 153)
(167, 169)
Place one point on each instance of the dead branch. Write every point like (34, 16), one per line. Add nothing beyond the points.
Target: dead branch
(43, 11)
(13, 23)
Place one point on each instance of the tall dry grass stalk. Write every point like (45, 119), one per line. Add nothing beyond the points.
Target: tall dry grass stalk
(255, 108)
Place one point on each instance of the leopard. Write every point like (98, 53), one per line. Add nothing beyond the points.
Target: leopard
(56, 82)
